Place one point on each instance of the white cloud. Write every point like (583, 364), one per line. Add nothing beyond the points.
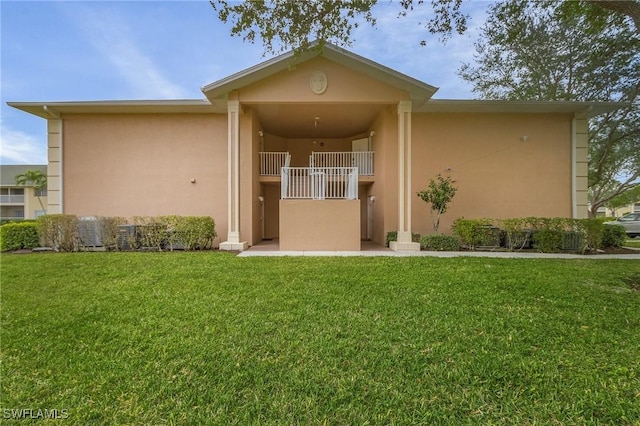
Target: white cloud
(112, 37)
(17, 147)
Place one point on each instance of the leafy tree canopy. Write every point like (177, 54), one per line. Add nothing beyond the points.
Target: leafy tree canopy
(36, 178)
(295, 24)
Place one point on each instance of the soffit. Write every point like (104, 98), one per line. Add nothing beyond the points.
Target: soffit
(55, 109)
(299, 120)
(588, 109)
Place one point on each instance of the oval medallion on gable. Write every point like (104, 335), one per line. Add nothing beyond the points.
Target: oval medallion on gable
(318, 82)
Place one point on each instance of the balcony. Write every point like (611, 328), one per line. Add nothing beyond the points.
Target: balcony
(319, 183)
(272, 162)
(11, 199)
(362, 160)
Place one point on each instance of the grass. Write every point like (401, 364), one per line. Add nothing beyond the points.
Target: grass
(635, 243)
(209, 338)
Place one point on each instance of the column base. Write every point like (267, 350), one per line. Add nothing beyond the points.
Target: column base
(233, 246)
(400, 246)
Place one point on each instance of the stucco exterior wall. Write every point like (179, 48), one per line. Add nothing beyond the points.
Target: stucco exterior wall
(142, 164)
(343, 85)
(320, 225)
(505, 165)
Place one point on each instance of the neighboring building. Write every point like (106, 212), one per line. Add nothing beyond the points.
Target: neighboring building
(20, 201)
(620, 211)
(319, 150)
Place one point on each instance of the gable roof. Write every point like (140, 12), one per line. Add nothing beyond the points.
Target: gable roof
(418, 91)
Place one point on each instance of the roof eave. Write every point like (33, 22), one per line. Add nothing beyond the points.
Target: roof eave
(587, 109)
(50, 110)
(418, 91)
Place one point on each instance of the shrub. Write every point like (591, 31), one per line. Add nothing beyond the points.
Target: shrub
(176, 232)
(153, 231)
(517, 232)
(439, 242)
(16, 220)
(58, 231)
(19, 235)
(548, 240)
(194, 232)
(393, 236)
(613, 236)
(110, 229)
(476, 232)
(550, 233)
(592, 231)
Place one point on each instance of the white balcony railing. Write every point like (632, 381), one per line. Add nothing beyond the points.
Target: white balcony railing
(271, 162)
(12, 199)
(319, 183)
(363, 160)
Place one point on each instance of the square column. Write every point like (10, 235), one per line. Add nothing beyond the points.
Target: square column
(404, 242)
(54, 166)
(233, 242)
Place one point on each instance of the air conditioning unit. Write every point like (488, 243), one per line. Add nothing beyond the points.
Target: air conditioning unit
(89, 231)
(128, 237)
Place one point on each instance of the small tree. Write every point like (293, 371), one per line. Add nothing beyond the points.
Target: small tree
(439, 194)
(37, 179)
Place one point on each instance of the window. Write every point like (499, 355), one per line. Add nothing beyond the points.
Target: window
(636, 208)
(41, 192)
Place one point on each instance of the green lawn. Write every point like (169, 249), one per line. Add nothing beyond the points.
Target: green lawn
(209, 338)
(632, 243)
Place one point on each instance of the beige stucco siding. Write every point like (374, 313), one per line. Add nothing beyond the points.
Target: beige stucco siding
(343, 85)
(143, 164)
(327, 225)
(505, 165)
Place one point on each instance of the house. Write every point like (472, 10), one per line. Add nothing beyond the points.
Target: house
(20, 201)
(620, 211)
(320, 150)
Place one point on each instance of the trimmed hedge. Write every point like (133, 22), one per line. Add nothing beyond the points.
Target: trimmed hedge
(68, 233)
(476, 232)
(59, 231)
(549, 235)
(176, 232)
(439, 242)
(18, 236)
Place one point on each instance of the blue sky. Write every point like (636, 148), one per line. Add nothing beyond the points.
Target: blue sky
(103, 50)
